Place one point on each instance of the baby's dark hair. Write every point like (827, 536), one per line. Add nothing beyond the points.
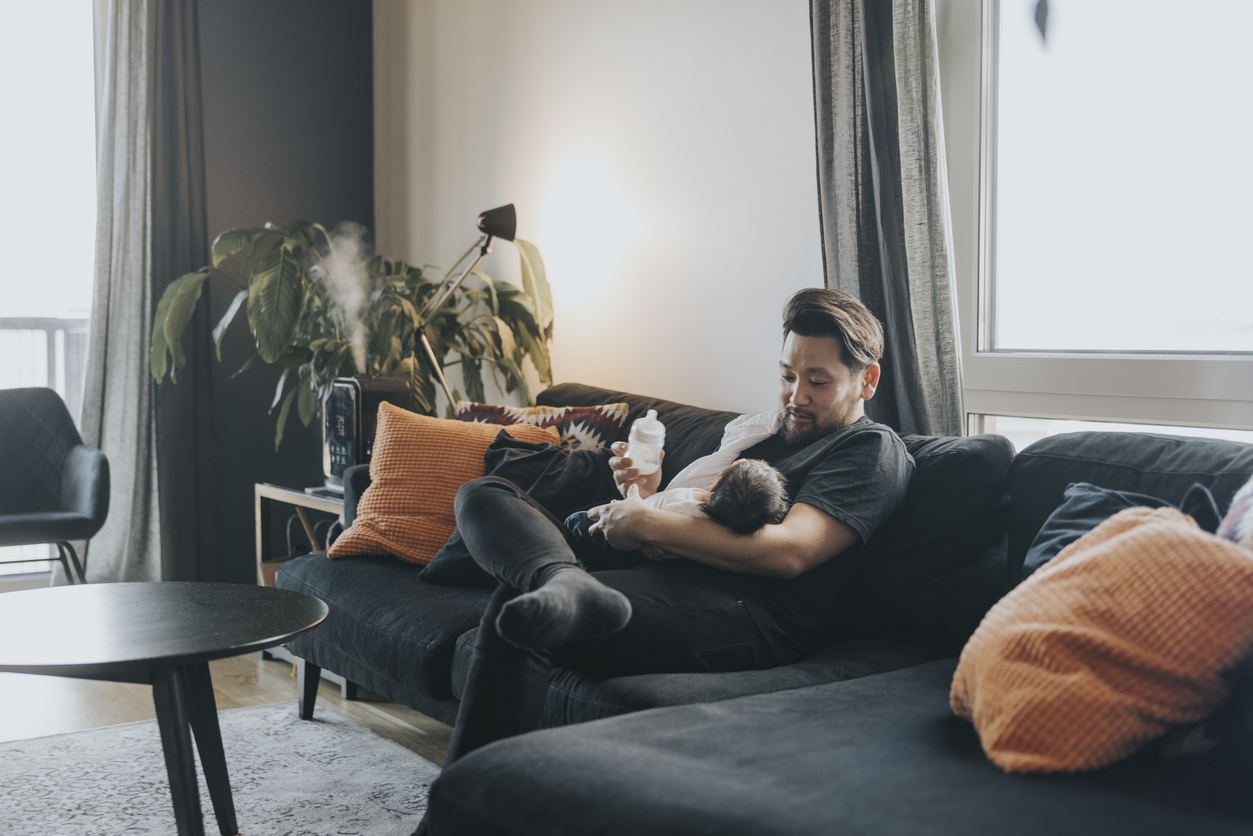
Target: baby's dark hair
(748, 495)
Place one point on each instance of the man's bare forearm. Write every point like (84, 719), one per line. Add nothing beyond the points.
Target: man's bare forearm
(806, 538)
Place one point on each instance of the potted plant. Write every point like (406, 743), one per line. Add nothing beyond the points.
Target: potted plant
(320, 308)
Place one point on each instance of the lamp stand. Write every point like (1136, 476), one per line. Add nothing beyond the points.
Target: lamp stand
(431, 309)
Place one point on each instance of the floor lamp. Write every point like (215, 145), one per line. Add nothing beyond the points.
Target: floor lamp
(501, 222)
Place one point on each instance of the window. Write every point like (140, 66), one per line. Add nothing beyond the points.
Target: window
(48, 214)
(1100, 193)
(1023, 432)
(1122, 178)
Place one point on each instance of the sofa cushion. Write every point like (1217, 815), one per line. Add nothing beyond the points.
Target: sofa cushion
(382, 615)
(691, 432)
(419, 463)
(575, 697)
(1087, 506)
(936, 565)
(581, 427)
(878, 756)
(1158, 465)
(1130, 630)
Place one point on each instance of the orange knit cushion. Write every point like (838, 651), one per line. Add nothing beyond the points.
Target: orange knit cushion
(1127, 631)
(417, 466)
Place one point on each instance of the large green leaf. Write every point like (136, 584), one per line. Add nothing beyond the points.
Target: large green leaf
(493, 301)
(274, 300)
(535, 283)
(515, 374)
(508, 346)
(158, 361)
(278, 390)
(263, 250)
(302, 233)
(219, 330)
(538, 353)
(282, 418)
(516, 308)
(421, 388)
(182, 305)
(306, 403)
(251, 363)
(472, 377)
(233, 241)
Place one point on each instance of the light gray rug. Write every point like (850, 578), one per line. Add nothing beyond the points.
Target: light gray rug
(324, 777)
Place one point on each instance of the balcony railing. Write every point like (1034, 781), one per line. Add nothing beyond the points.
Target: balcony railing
(40, 351)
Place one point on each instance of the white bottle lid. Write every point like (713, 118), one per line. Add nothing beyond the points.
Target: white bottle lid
(648, 430)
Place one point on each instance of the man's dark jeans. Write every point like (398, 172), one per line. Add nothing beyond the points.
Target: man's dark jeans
(685, 617)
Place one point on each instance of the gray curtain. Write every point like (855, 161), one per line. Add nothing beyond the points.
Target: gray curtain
(149, 230)
(883, 198)
(184, 411)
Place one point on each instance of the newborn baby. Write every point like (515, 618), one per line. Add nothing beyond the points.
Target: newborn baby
(743, 497)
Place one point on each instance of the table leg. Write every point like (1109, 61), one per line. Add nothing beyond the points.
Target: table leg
(169, 696)
(308, 675)
(203, 713)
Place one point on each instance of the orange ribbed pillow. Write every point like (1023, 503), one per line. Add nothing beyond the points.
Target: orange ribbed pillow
(1126, 632)
(416, 468)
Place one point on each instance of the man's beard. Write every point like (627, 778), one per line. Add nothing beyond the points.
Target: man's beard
(797, 437)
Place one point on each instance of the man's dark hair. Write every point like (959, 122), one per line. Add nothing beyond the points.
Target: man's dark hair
(821, 312)
(748, 495)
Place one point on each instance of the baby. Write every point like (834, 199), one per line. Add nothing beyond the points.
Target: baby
(743, 497)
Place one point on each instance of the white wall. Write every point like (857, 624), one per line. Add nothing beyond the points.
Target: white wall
(660, 154)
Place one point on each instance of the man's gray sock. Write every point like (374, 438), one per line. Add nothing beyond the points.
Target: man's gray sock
(571, 605)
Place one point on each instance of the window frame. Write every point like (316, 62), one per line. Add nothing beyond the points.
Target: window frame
(1181, 389)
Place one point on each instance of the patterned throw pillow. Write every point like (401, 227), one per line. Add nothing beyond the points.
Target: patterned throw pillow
(1130, 630)
(1237, 525)
(581, 427)
(417, 466)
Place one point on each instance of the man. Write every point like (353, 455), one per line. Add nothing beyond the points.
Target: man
(737, 602)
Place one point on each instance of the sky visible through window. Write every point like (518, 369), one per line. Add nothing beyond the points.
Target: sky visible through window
(1124, 177)
(47, 159)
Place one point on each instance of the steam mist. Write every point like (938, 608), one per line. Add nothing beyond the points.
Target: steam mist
(348, 284)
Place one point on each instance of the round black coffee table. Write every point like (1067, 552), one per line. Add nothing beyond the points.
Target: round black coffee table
(163, 635)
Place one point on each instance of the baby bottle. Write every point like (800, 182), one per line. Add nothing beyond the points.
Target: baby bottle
(648, 436)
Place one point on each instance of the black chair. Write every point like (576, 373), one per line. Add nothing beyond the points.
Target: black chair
(53, 488)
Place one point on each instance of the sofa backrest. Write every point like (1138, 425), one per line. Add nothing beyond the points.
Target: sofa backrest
(691, 432)
(935, 567)
(1157, 465)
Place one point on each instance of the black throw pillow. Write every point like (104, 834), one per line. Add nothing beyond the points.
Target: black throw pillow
(562, 481)
(935, 566)
(1085, 506)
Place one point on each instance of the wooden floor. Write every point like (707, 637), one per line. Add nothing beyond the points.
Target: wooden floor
(35, 706)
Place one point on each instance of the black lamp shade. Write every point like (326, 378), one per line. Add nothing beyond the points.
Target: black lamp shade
(501, 222)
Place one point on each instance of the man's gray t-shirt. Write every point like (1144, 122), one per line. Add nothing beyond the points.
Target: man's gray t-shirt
(857, 475)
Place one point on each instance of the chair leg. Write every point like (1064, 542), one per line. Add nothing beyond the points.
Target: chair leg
(64, 548)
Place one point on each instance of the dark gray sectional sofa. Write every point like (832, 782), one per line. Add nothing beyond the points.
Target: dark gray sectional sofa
(920, 589)
(857, 738)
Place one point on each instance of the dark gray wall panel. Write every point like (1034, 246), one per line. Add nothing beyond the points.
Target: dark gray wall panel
(288, 114)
